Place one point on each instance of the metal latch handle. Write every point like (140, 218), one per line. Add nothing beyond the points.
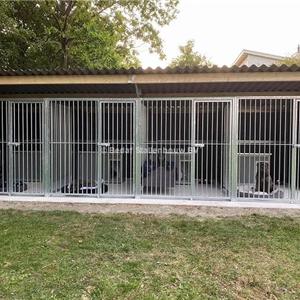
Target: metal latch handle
(297, 145)
(16, 144)
(201, 145)
(104, 144)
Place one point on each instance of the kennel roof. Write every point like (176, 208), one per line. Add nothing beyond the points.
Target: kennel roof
(139, 82)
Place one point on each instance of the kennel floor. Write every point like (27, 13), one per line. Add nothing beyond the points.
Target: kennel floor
(127, 188)
(179, 190)
(247, 188)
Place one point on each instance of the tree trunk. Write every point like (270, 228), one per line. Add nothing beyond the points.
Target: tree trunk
(64, 47)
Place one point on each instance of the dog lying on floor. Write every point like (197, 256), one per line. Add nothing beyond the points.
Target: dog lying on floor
(264, 182)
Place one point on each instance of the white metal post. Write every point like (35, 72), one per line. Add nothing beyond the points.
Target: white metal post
(234, 117)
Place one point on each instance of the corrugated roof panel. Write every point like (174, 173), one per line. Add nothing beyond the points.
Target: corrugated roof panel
(168, 70)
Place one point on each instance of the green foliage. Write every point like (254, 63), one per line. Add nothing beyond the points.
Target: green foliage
(80, 33)
(189, 57)
(289, 61)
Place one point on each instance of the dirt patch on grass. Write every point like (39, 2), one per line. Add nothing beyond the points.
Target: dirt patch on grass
(158, 210)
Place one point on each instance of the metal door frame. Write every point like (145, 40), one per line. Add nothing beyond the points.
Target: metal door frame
(10, 143)
(295, 149)
(139, 102)
(4, 145)
(294, 100)
(134, 146)
(194, 145)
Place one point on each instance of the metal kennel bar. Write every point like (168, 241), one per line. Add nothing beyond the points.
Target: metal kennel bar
(73, 147)
(92, 147)
(117, 148)
(26, 147)
(242, 148)
(296, 153)
(212, 148)
(4, 147)
(165, 148)
(265, 146)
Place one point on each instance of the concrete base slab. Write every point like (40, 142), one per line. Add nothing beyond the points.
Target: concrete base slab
(153, 201)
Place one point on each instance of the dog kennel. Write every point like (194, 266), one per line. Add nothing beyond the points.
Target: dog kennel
(191, 147)
(151, 147)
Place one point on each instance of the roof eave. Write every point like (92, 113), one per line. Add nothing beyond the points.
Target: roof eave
(152, 78)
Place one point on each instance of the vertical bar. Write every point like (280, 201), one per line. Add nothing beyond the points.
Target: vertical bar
(46, 148)
(223, 144)
(276, 142)
(295, 132)
(285, 143)
(31, 147)
(234, 117)
(10, 149)
(280, 124)
(180, 141)
(246, 143)
(87, 144)
(19, 135)
(193, 154)
(216, 138)
(99, 148)
(204, 122)
(250, 137)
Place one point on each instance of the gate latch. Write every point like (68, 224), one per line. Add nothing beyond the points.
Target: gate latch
(15, 144)
(199, 145)
(103, 144)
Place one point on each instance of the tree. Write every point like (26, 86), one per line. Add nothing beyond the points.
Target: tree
(80, 33)
(291, 60)
(188, 57)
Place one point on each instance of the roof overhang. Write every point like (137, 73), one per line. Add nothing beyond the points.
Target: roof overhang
(150, 78)
(162, 82)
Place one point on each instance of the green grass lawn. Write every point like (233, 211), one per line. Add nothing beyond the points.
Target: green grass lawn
(63, 255)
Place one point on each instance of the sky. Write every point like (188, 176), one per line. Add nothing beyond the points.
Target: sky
(221, 29)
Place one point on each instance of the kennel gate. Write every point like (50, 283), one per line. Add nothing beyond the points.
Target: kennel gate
(265, 146)
(117, 147)
(22, 147)
(165, 141)
(212, 149)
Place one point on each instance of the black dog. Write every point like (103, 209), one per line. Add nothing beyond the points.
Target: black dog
(264, 182)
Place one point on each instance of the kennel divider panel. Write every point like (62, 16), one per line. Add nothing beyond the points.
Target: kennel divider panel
(296, 154)
(212, 149)
(26, 147)
(165, 143)
(117, 147)
(4, 139)
(266, 136)
(73, 147)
